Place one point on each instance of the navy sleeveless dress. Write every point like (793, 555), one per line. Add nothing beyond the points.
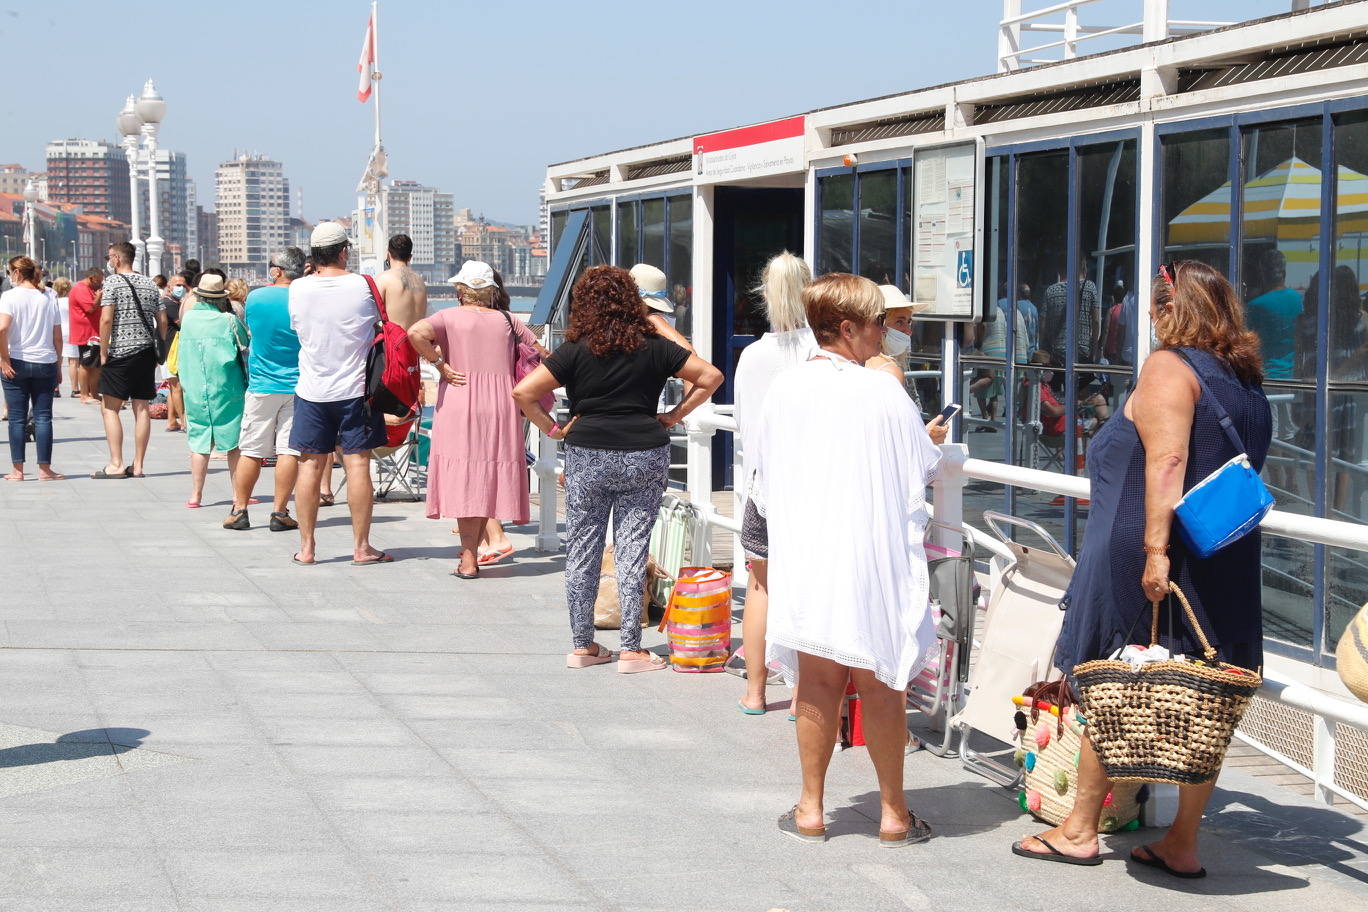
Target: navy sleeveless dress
(1105, 606)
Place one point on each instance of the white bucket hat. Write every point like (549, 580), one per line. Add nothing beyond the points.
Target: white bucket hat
(473, 274)
(894, 298)
(651, 284)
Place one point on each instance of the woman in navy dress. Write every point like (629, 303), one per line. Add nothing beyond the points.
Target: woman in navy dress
(1166, 439)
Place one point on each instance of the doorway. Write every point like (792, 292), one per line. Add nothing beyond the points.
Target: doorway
(752, 225)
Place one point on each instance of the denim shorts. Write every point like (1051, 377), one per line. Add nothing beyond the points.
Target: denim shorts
(319, 427)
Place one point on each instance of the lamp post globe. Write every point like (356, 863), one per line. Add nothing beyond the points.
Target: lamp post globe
(151, 107)
(30, 220)
(30, 191)
(127, 120)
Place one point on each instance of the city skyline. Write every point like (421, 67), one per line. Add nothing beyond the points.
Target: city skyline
(466, 113)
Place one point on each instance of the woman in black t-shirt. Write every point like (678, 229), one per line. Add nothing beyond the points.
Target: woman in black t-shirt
(613, 365)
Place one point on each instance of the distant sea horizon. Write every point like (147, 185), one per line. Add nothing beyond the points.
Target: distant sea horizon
(519, 305)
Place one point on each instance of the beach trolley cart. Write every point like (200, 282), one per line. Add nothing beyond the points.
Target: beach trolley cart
(1015, 649)
(938, 690)
(670, 539)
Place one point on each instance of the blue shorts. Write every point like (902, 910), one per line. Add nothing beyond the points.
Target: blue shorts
(319, 427)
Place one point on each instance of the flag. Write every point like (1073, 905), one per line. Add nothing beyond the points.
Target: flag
(366, 65)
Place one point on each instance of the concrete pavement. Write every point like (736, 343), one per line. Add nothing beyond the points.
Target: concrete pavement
(190, 722)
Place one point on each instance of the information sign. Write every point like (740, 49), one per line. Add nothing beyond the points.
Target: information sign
(945, 231)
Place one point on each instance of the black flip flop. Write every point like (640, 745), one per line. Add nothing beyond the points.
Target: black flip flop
(105, 476)
(382, 559)
(1053, 855)
(129, 473)
(1154, 861)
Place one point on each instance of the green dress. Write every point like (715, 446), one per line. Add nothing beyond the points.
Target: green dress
(212, 376)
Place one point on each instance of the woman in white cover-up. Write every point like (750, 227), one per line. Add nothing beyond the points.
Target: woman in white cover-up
(842, 462)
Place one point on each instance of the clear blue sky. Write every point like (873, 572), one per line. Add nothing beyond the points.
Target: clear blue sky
(478, 98)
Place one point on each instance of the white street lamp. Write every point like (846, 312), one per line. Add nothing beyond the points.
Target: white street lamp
(151, 108)
(129, 124)
(30, 219)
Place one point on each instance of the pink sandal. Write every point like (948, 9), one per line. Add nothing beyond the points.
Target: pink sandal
(600, 656)
(636, 666)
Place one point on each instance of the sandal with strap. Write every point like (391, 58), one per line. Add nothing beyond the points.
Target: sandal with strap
(600, 656)
(789, 826)
(918, 830)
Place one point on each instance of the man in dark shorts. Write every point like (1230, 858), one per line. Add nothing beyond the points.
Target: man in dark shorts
(335, 315)
(131, 321)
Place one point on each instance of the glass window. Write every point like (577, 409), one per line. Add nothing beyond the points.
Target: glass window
(627, 235)
(836, 235)
(1280, 242)
(1106, 247)
(681, 262)
(653, 232)
(984, 344)
(879, 226)
(601, 246)
(1040, 249)
(1197, 198)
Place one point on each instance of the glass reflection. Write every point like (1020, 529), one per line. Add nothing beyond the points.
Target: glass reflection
(681, 262)
(837, 229)
(1196, 198)
(879, 226)
(627, 235)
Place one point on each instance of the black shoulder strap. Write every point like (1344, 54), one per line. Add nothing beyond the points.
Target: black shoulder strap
(151, 326)
(1222, 415)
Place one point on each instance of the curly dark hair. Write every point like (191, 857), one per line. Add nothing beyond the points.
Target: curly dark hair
(606, 313)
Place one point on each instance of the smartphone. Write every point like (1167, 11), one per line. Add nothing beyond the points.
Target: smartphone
(950, 411)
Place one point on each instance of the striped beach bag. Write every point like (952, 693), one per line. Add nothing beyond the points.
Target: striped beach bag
(699, 618)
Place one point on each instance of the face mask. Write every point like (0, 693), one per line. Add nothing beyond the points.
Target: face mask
(178, 292)
(896, 342)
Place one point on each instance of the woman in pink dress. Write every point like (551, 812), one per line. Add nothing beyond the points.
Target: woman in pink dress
(476, 469)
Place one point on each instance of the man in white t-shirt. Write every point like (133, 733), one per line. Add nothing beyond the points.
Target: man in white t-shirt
(335, 315)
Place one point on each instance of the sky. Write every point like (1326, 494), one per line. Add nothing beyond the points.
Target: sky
(478, 98)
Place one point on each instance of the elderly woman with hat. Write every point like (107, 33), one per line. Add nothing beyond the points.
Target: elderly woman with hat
(897, 333)
(476, 470)
(651, 283)
(212, 367)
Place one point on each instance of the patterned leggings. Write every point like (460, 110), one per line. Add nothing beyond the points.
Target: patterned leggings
(628, 484)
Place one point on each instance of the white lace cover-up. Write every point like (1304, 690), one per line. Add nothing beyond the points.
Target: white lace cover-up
(842, 462)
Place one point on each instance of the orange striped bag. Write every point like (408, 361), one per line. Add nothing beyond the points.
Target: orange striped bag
(699, 620)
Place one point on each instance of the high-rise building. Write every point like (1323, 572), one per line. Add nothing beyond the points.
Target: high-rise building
(207, 247)
(253, 213)
(91, 174)
(425, 215)
(14, 178)
(175, 212)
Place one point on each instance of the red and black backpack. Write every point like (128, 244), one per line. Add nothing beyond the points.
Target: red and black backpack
(392, 376)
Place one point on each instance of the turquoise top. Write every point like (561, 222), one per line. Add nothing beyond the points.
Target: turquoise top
(273, 360)
(1273, 316)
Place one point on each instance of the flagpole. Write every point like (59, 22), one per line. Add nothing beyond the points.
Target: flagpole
(375, 89)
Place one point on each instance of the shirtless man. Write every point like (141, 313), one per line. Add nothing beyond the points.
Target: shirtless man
(404, 290)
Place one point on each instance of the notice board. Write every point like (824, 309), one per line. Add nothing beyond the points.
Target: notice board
(946, 234)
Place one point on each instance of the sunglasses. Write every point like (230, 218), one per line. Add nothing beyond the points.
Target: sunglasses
(1169, 273)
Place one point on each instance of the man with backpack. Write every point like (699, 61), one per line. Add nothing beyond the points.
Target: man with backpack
(335, 314)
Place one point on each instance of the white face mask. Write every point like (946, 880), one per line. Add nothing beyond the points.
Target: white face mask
(896, 342)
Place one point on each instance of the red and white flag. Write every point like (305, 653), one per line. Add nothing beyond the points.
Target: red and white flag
(366, 65)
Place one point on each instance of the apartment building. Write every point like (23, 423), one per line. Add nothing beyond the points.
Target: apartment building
(253, 208)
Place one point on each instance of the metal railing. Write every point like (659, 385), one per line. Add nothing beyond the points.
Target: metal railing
(1155, 25)
(957, 469)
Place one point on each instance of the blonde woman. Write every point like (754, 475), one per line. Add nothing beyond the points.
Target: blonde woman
(840, 451)
(237, 297)
(788, 342)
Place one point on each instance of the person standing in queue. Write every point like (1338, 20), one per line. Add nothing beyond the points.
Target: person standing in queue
(613, 364)
(334, 314)
(1167, 438)
(841, 449)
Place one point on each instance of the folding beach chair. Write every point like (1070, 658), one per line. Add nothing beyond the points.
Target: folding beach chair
(938, 690)
(670, 538)
(1016, 648)
(403, 466)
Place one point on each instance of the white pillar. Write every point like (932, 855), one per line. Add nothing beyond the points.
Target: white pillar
(131, 151)
(155, 243)
(1150, 222)
(1156, 21)
(1009, 37)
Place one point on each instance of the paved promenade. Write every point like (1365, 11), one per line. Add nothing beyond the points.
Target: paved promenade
(190, 722)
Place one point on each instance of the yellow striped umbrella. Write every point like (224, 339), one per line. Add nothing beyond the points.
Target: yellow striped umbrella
(1282, 204)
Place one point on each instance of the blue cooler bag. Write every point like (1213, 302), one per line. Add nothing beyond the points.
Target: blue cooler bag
(1230, 502)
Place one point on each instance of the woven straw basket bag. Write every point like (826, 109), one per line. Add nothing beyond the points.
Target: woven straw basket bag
(1167, 722)
(1351, 658)
(1051, 742)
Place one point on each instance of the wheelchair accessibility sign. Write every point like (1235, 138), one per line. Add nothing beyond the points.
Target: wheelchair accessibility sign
(964, 269)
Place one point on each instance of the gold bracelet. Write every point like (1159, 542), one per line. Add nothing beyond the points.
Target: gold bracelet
(1156, 549)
